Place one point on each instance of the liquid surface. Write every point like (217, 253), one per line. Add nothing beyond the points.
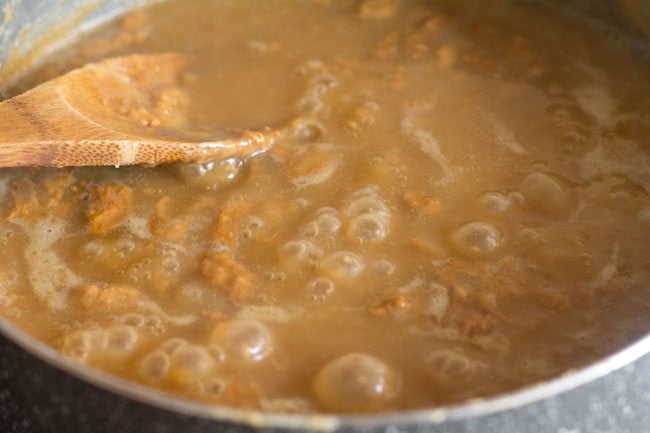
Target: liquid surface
(460, 208)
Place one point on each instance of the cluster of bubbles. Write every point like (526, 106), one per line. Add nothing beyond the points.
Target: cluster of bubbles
(318, 85)
(116, 342)
(112, 253)
(538, 192)
(152, 324)
(326, 222)
(364, 218)
(181, 363)
(160, 269)
(367, 215)
(300, 251)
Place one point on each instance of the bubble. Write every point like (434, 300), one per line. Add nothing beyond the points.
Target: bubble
(310, 230)
(356, 382)
(92, 248)
(125, 245)
(133, 319)
(544, 194)
(368, 191)
(320, 288)
(368, 227)
(477, 239)
(309, 130)
(450, 366)
(76, 345)
(494, 203)
(216, 352)
(157, 330)
(323, 81)
(371, 205)
(275, 276)
(170, 264)
(310, 103)
(155, 365)
(172, 344)
(121, 339)
(328, 223)
(326, 210)
(296, 249)
(244, 340)
(301, 251)
(79, 344)
(192, 293)
(192, 359)
(384, 267)
(211, 174)
(529, 237)
(341, 265)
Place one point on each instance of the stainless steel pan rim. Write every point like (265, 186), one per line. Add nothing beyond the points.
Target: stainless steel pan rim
(256, 418)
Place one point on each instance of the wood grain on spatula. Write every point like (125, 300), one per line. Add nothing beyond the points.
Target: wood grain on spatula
(120, 111)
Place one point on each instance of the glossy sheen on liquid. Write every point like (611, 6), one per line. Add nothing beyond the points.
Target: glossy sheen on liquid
(460, 208)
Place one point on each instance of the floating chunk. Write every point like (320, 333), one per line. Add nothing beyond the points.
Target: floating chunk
(392, 305)
(111, 299)
(224, 231)
(311, 166)
(362, 115)
(229, 276)
(421, 202)
(164, 227)
(25, 196)
(56, 186)
(109, 204)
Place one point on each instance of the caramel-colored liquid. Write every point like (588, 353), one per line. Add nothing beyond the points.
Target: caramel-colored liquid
(459, 208)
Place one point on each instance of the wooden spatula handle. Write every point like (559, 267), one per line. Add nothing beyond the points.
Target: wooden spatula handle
(37, 138)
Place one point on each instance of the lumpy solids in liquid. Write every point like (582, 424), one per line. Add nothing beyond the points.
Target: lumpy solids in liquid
(459, 208)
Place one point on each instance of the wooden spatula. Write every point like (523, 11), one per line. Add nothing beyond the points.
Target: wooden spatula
(121, 111)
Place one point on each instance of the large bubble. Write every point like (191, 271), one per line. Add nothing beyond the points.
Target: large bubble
(544, 194)
(356, 382)
(341, 265)
(243, 340)
(477, 239)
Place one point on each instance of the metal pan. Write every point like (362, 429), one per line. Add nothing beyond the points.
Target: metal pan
(41, 391)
